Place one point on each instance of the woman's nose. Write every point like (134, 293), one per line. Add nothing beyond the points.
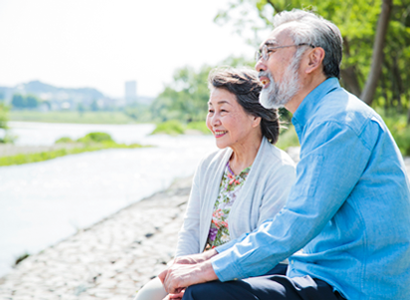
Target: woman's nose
(215, 120)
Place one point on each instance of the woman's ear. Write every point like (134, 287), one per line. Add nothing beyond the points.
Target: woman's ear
(315, 59)
(256, 121)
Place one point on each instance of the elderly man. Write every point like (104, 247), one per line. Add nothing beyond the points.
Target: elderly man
(349, 210)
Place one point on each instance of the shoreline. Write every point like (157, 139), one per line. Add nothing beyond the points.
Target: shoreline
(111, 259)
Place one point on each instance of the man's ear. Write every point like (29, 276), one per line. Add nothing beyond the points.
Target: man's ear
(315, 59)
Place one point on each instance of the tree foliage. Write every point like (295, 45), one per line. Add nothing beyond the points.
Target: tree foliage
(357, 21)
(3, 116)
(21, 102)
(186, 97)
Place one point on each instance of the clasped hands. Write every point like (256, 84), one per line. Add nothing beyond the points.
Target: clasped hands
(186, 271)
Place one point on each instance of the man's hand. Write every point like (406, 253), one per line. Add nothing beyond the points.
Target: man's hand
(195, 258)
(180, 276)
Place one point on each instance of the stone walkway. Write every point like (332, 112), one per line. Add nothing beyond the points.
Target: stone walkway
(110, 260)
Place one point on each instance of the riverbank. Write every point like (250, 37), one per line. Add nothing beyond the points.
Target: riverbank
(110, 260)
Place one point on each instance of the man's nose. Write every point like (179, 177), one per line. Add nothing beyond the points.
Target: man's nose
(260, 65)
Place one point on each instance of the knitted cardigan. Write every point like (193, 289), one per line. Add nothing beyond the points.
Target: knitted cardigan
(262, 196)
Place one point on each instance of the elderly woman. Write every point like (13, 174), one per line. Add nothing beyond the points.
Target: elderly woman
(246, 182)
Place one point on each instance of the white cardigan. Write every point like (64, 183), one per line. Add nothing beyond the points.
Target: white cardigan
(262, 196)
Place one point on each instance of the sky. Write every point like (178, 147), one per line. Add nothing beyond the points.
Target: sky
(103, 43)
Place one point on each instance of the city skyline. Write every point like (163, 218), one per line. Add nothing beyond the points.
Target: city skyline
(102, 44)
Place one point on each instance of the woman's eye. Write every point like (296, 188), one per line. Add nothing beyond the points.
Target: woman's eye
(210, 111)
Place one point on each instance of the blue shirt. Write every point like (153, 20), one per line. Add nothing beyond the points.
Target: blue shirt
(349, 208)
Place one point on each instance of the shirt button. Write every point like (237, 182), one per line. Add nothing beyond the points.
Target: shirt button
(292, 261)
(235, 279)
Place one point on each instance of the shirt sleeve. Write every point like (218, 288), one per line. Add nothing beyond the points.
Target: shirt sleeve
(332, 160)
(188, 236)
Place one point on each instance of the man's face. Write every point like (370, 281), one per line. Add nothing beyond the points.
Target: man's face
(279, 70)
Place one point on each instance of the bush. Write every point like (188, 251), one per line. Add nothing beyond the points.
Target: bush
(96, 137)
(171, 127)
(287, 138)
(399, 129)
(64, 139)
(200, 126)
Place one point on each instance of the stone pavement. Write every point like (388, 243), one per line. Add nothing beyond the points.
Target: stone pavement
(113, 258)
(110, 260)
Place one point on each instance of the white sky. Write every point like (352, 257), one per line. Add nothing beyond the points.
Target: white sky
(103, 43)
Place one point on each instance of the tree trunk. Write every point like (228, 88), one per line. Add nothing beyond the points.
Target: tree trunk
(377, 57)
(350, 80)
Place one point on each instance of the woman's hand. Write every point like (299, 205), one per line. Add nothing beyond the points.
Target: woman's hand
(175, 296)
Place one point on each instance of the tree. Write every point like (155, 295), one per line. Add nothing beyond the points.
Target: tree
(186, 97)
(3, 115)
(31, 102)
(18, 101)
(377, 57)
(377, 28)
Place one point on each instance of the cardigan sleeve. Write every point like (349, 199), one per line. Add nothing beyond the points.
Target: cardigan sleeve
(276, 192)
(188, 236)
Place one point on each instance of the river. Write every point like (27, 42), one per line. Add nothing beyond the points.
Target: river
(43, 203)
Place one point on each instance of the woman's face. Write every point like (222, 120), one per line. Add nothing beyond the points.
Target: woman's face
(228, 121)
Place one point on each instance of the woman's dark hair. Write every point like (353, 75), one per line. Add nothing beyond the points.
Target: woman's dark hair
(245, 85)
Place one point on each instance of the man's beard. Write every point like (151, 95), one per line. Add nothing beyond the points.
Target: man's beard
(278, 94)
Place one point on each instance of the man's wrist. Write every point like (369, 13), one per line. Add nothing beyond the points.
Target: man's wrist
(209, 254)
(207, 271)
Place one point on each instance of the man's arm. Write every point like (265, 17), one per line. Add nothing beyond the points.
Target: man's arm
(332, 164)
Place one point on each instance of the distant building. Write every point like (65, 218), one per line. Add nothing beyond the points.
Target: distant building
(130, 91)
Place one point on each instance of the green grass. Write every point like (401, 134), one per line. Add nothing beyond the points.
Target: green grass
(20, 159)
(175, 127)
(99, 117)
(200, 126)
(171, 127)
(90, 142)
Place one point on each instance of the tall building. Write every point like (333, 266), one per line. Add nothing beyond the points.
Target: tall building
(130, 91)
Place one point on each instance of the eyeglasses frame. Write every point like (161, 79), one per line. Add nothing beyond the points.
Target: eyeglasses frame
(260, 53)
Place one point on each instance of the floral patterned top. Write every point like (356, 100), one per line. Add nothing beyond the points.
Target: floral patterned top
(228, 192)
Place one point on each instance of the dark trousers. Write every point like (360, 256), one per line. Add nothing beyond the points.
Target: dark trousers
(272, 286)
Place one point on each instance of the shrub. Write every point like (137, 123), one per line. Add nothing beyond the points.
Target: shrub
(172, 127)
(64, 139)
(96, 137)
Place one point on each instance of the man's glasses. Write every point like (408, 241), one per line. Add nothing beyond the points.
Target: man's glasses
(266, 50)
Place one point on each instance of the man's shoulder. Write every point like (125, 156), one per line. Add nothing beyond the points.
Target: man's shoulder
(345, 109)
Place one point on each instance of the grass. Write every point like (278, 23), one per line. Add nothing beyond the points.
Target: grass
(98, 117)
(175, 127)
(171, 127)
(20, 159)
(199, 126)
(91, 142)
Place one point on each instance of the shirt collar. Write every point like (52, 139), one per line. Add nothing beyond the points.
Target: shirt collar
(311, 102)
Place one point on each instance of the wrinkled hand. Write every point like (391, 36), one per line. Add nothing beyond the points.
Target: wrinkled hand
(175, 296)
(180, 276)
